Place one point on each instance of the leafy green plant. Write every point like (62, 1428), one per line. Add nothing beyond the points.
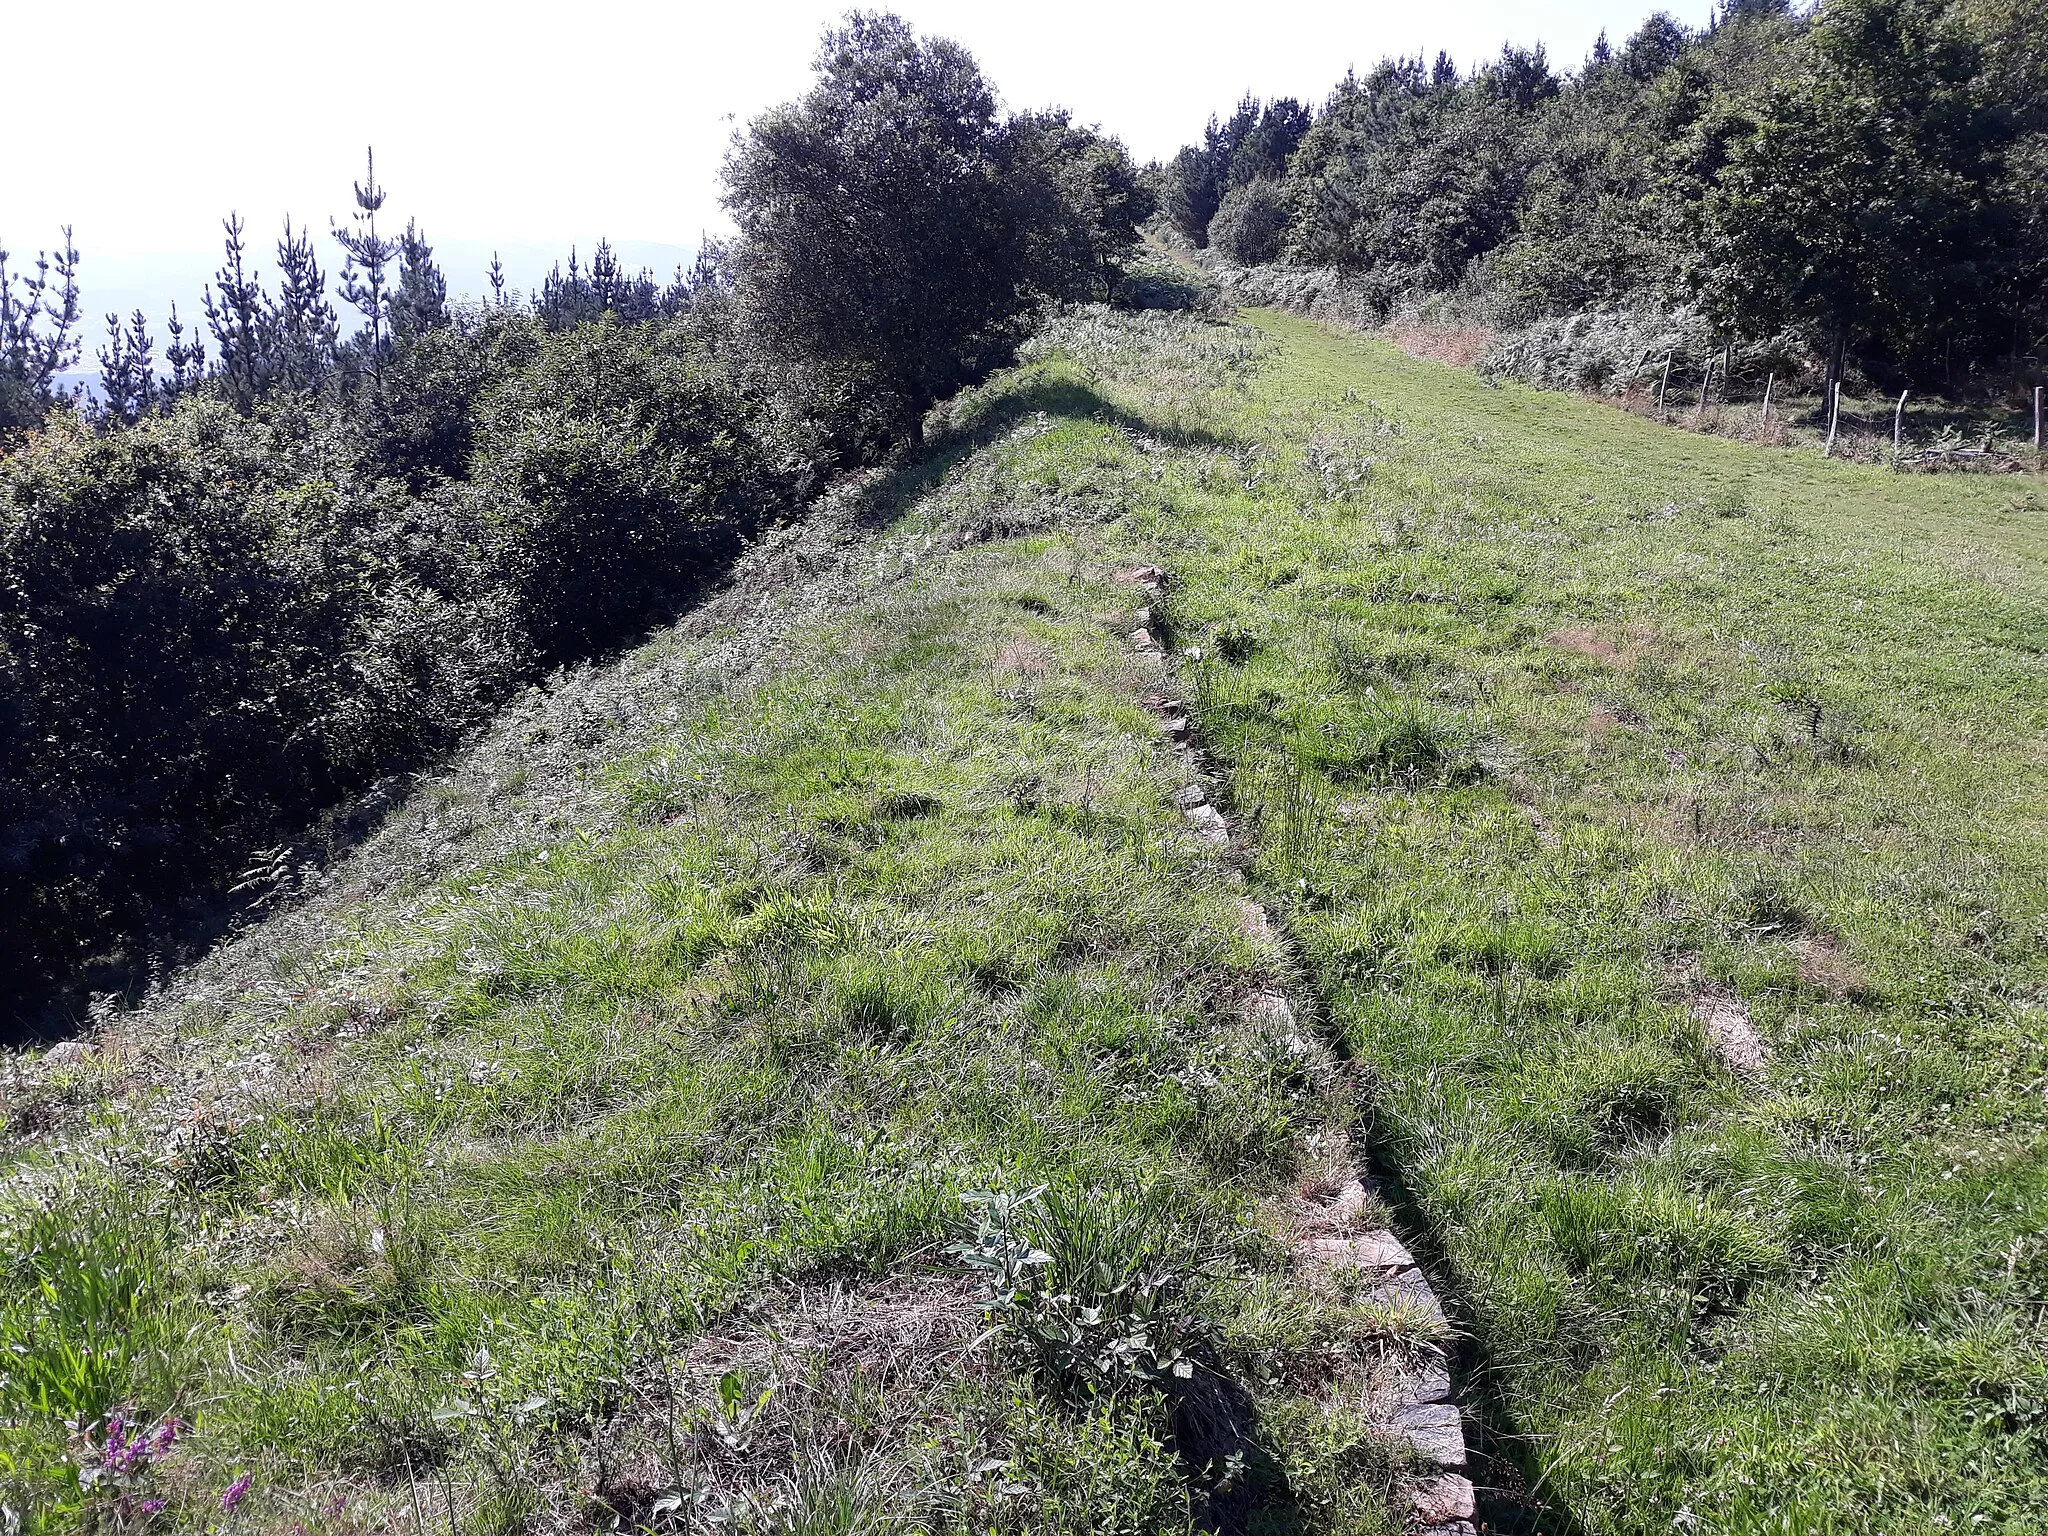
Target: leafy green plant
(1082, 1280)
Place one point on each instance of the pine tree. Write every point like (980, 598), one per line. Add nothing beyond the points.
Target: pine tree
(420, 301)
(302, 327)
(128, 388)
(36, 343)
(497, 277)
(237, 321)
(188, 362)
(367, 255)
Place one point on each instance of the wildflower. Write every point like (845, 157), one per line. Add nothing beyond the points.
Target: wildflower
(153, 1506)
(236, 1492)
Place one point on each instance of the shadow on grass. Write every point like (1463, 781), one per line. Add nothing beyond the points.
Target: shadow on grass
(1506, 1477)
(983, 419)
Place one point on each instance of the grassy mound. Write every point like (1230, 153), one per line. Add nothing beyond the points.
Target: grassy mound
(1568, 739)
(795, 1079)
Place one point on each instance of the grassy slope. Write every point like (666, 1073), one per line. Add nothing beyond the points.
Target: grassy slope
(677, 1020)
(1548, 711)
(640, 1067)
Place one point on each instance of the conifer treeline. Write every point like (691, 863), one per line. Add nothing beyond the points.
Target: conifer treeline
(242, 587)
(1866, 176)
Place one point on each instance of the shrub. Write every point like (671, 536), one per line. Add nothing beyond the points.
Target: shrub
(212, 623)
(1251, 224)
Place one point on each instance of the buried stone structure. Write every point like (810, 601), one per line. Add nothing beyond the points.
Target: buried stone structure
(1333, 1245)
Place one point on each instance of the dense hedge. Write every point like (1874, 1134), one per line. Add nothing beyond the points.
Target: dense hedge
(212, 623)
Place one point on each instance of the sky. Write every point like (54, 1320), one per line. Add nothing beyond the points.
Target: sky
(528, 129)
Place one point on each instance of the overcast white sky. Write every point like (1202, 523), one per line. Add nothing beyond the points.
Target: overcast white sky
(142, 122)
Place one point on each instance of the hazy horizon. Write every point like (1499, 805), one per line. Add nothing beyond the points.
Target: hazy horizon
(532, 140)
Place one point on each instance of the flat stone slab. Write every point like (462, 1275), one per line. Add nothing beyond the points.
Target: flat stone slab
(1441, 1500)
(1142, 640)
(1373, 1251)
(1435, 1432)
(1410, 1291)
(1271, 1011)
(1141, 576)
(1144, 618)
(1190, 796)
(1428, 1382)
(1209, 824)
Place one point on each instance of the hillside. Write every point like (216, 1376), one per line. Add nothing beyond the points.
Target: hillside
(813, 1074)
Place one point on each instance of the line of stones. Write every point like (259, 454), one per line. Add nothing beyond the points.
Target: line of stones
(1415, 1405)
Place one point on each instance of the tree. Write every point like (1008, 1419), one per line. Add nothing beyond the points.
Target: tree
(187, 360)
(1265, 150)
(237, 322)
(301, 328)
(420, 301)
(893, 227)
(366, 256)
(1855, 198)
(128, 388)
(1251, 226)
(37, 317)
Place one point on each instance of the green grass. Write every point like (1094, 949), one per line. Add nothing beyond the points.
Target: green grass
(646, 1126)
(1540, 712)
(625, 1170)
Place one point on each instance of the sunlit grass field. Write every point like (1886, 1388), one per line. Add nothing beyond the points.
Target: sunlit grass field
(795, 1079)
(1556, 725)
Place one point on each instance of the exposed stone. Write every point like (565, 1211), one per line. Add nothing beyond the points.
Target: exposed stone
(1441, 1499)
(1251, 917)
(1429, 1381)
(1144, 618)
(1349, 1203)
(1734, 1038)
(1209, 824)
(1271, 1011)
(1435, 1432)
(67, 1053)
(1142, 640)
(1189, 796)
(1409, 1291)
(1142, 576)
(1449, 1528)
(1373, 1251)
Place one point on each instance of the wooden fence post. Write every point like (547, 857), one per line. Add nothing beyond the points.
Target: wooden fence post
(1664, 384)
(1898, 423)
(1773, 379)
(1834, 417)
(2037, 421)
(1706, 383)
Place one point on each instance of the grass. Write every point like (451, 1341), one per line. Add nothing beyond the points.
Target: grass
(794, 1079)
(1551, 717)
(611, 1145)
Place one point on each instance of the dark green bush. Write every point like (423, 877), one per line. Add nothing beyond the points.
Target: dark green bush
(211, 623)
(1251, 225)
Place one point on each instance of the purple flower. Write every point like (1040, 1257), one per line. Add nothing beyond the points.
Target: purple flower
(153, 1506)
(236, 1492)
(165, 1437)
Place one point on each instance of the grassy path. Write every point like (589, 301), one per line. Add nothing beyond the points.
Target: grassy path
(796, 1079)
(1564, 735)
(799, 1078)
